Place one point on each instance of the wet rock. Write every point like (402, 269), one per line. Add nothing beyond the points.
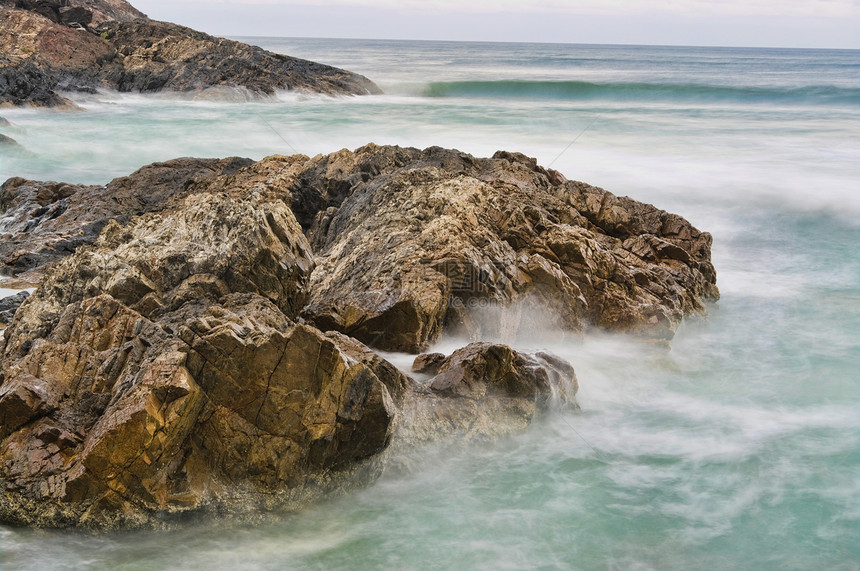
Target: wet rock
(8, 141)
(23, 83)
(9, 305)
(428, 363)
(482, 370)
(48, 47)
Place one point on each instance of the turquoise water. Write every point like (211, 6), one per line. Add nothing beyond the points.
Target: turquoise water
(738, 449)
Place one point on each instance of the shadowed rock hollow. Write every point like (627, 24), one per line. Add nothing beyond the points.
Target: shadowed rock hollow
(200, 340)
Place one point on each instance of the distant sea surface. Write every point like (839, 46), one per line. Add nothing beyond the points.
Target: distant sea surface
(737, 449)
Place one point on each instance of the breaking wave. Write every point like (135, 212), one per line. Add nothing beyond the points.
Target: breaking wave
(633, 91)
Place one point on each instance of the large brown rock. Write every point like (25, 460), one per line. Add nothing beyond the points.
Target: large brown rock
(161, 371)
(412, 243)
(131, 422)
(48, 47)
(176, 363)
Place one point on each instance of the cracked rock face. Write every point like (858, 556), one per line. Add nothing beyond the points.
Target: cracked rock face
(43, 222)
(412, 243)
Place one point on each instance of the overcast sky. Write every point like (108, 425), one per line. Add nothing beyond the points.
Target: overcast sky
(776, 23)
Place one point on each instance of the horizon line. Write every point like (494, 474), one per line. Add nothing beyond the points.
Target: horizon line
(612, 44)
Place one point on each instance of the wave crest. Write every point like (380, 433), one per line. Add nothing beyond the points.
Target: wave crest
(633, 91)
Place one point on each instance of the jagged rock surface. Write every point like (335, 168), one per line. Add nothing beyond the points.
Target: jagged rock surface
(483, 390)
(411, 242)
(51, 47)
(23, 83)
(161, 371)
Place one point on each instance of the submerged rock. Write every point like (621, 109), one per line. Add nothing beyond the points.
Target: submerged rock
(47, 47)
(199, 343)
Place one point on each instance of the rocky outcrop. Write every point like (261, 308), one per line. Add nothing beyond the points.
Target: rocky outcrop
(49, 47)
(23, 83)
(200, 342)
(8, 141)
(162, 371)
(410, 243)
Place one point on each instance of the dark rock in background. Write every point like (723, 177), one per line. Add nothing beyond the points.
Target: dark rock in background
(9, 305)
(47, 46)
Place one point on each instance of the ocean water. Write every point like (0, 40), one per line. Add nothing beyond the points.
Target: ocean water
(737, 449)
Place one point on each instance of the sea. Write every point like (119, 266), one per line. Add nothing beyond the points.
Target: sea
(738, 448)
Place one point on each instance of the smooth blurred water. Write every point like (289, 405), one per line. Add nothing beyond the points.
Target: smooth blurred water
(739, 448)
